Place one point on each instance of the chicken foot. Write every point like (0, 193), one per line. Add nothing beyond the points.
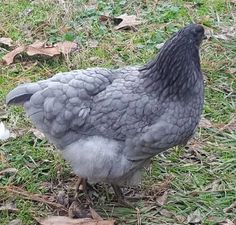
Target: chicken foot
(120, 196)
(82, 186)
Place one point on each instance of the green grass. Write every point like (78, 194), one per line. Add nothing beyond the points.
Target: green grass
(99, 45)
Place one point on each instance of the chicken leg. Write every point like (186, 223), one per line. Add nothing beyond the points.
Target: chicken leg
(120, 196)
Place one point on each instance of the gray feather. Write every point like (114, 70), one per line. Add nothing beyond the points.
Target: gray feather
(109, 123)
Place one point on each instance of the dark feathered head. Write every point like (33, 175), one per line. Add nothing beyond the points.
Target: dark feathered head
(194, 33)
(177, 65)
(185, 41)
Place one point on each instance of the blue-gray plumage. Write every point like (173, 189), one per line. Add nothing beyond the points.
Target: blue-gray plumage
(109, 123)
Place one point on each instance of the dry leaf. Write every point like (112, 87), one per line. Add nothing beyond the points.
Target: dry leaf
(77, 210)
(8, 170)
(62, 220)
(38, 134)
(195, 217)
(230, 126)
(39, 48)
(63, 198)
(161, 200)
(214, 186)
(180, 219)
(15, 222)
(205, 123)
(105, 18)
(232, 70)
(226, 33)
(9, 207)
(166, 213)
(169, 214)
(160, 188)
(9, 57)
(94, 214)
(226, 222)
(128, 22)
(6, 41)
(66, 47)
(231, 208)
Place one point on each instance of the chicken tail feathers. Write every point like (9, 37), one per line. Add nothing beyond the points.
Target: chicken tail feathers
(21, 94)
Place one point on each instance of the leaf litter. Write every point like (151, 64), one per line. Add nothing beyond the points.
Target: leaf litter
(62, 220)
(226, 222)
(43, 49)
(9, 207)
(8, 171)
(226, 33)
(122, 22)
(49, 200)
(195, 217)
(38, 134)
(15, 222)
(6, 41)
(231, 208)
(205, 123)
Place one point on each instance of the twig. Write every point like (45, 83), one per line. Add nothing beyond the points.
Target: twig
(33, 197)
(138, 216)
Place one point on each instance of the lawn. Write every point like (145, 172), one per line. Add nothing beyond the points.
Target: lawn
(186, 185)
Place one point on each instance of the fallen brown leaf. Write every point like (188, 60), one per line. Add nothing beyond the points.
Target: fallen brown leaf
(161, 200)
(226, 33)
(161, 188)
(2, 157)
(63, 198)
(231, 208)
(232, 70)
(214, 186)
(77, 210)
(205, 123)
(9, 57)
(9, 207)
(66, 47)
(104, 18)
(166, 213)
(6, 41)
(94, 214)
(8, 170)
(40, 48)
(38, 134)
(169, 214)
(231, 126)
(62, 220)
(226, 222)
(195, 217)
(33, 197)
(15, 222)
(128, 22)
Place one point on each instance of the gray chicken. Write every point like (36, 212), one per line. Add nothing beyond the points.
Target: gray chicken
(109, 123)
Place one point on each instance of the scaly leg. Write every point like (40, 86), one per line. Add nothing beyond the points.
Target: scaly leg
(120, 196)
(81, 186)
